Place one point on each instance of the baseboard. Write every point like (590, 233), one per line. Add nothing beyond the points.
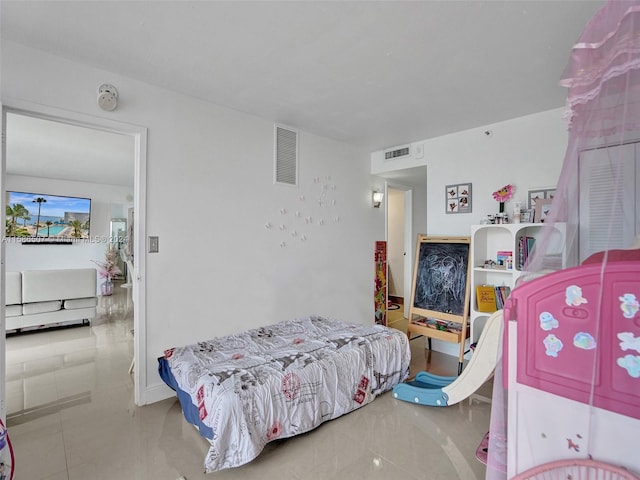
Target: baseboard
(157, 393)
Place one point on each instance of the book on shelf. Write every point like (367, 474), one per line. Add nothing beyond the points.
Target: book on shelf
(502, 293)
(525, 246)
(503, 258)
(491, 297)
(486, 298)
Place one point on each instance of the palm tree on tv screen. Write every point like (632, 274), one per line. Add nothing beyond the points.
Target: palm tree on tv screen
(13, 212)
(11, 215)
(25, 218)
(39, 201)
(77, 228)
(48, 223)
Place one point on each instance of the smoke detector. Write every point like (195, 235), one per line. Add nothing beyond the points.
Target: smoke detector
(107, 97)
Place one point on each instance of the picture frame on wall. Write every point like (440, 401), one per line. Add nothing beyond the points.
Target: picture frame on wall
(536, 194)
(543, 207)
(458, 198)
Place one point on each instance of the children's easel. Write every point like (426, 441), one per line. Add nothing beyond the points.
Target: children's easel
(440, 291)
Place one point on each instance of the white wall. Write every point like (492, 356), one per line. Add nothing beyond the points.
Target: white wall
(526, 152)
(209, 196)
(420, 215)
(104, 200)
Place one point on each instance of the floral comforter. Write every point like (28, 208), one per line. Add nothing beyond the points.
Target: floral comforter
(284, 379)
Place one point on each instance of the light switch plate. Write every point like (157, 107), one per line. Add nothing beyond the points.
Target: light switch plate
(153, 244)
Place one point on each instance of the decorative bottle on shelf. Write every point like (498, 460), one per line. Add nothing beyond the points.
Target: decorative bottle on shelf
(107, 287)
(516, 212)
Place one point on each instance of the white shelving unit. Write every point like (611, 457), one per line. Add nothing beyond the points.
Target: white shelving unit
(486, 241)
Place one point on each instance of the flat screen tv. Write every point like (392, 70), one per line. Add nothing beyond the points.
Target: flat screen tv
(42, 216)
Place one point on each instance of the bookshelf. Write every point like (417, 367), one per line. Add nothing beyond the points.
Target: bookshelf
(487, 241)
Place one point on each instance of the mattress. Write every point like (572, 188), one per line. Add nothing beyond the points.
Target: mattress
(243, 391)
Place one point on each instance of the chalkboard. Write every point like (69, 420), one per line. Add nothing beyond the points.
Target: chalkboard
(439, 305)
(441, 276)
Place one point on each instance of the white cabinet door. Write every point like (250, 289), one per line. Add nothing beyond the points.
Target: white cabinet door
(608, 198)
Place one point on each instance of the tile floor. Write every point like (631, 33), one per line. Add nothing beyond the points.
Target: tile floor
(72, 416)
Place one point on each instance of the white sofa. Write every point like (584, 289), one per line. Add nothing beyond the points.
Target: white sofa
(37, 298)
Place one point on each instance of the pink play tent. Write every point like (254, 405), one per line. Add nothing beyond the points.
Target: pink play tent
(567, 392)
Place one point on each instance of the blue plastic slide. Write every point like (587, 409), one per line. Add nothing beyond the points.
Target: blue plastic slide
(438, 391)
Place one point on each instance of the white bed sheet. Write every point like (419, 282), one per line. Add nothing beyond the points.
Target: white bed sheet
(285, 379)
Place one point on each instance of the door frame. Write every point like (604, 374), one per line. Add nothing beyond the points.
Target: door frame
(139, 135)
(408, 235)
(3, 340)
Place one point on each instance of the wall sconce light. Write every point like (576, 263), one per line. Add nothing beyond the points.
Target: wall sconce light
(377, 198)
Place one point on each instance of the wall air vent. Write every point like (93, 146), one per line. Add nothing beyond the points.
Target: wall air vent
(397, 153)
(285, 155)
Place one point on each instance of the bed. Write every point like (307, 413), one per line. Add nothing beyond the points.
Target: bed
(245, 390)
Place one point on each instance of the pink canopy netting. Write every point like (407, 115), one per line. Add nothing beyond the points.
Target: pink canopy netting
(597, 200)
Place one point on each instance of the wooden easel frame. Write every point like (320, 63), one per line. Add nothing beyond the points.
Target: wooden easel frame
(414, 311)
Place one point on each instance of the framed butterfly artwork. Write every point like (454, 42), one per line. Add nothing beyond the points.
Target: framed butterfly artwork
(458, 198)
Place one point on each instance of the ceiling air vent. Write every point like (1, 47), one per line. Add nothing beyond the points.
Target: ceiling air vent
(397, 153)
(286, 155)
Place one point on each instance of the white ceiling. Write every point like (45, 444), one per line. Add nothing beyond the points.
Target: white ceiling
(371, 73)
(43, 148)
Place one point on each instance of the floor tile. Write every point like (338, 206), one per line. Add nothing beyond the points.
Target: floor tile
(72, 416)
(38, 456)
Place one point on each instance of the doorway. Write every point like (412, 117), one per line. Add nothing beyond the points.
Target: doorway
(82, 124)
(399, 234)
